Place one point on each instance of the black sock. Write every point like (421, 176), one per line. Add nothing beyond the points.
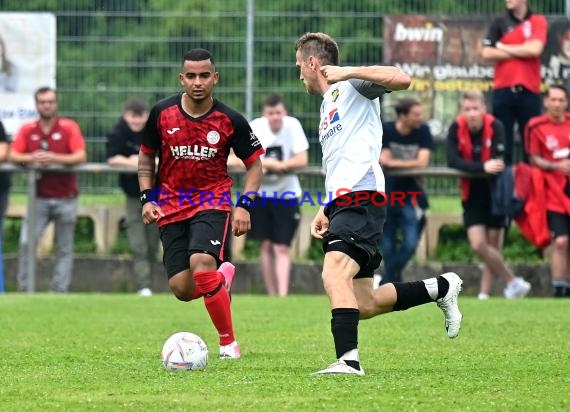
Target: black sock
(344, 328)
(442, 287)
(558, 286)
(410, 294)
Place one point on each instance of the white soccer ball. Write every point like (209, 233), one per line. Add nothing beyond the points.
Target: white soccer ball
(184, 351)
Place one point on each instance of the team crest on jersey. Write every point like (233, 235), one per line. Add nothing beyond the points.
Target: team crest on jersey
(527, 29)
(56, 136)
(335, 94)
(213, 137)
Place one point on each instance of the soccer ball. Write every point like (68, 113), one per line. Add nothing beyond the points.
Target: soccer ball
(184, 351)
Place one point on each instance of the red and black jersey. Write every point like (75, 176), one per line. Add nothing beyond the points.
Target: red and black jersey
(551, 141)
(193, 152)
(507, 29)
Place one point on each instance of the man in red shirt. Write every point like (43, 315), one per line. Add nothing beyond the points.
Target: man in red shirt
(548, 138)
(514, 43)
(51, 140)
(192, 134)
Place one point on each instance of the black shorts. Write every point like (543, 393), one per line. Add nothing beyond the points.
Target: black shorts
(355, 229)
(275, 220)
(558, 223)
(207, 232)
(479, 214)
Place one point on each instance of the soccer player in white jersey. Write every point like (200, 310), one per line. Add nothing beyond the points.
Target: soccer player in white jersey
(350, 226)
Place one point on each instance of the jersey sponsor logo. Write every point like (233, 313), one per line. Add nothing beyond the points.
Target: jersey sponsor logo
(193, 152)
(173, 130)
(326, 132)
(213, 137)
(334, 116)
(428, 33)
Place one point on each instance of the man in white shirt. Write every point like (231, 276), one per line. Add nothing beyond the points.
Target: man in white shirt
(276, 216)
(350, 226)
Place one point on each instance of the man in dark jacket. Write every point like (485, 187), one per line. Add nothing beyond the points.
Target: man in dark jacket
(123, 144)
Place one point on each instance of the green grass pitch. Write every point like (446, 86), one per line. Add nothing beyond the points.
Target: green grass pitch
(91, 352)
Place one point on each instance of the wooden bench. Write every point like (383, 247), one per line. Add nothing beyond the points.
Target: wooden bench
(106, 226)
(98, 214)
(433, 226)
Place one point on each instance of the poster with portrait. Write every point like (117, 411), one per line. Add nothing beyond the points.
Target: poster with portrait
(556, 55)
(28, 61)
(443, 56)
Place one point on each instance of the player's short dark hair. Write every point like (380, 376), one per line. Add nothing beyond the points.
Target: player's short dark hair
(403, 106)
(272, 100)
(198, 55)
(320, 45)
(42, 90)
(557, 87)
(136, 105)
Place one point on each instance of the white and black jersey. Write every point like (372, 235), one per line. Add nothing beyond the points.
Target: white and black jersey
(350, 134)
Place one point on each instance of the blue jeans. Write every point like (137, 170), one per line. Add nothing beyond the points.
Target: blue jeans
(398, 248)
(515, 105)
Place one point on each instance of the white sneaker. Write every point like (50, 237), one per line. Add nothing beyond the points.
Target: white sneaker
(517, 288)
(230, 351)
(339, 368)
(483, 296)
(448, 304)
(146, 292)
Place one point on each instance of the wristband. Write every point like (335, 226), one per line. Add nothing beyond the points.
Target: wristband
(245, 203)
(144, 196)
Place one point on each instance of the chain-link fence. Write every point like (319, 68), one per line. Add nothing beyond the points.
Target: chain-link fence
(110, 50)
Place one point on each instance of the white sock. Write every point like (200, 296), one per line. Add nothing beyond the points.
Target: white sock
(351, 355)
(431, 287)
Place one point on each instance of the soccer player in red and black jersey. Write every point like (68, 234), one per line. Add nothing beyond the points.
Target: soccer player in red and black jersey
(514, 43)
(548, 139)
(192, 133)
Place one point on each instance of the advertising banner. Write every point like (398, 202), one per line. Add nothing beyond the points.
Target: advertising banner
(27, 61)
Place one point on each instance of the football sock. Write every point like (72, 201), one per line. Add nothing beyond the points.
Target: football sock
(558, 286)
(217, 302)
(442, 287)
(410, 294)
(567, 288)
(344, 328)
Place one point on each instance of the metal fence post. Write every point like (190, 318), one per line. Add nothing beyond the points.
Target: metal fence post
(31, 226)
(1, 268)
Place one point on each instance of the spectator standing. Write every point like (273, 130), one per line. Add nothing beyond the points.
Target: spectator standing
(276, 216)
(549, 142)
(475, 145)
(51, 140)
(123, 144)
(514, 43)
(406, 144)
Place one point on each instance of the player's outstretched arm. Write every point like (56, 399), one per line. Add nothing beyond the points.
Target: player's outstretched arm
(390, 77)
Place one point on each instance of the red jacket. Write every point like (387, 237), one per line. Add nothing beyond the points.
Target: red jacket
(530, 187)
(465, 147)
